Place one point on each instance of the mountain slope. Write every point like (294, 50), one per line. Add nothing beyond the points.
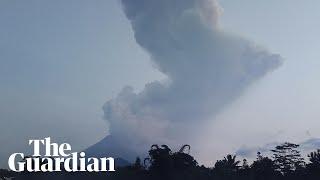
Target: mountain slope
(110, 147)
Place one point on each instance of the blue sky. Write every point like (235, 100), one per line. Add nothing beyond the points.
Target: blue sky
(60, 61)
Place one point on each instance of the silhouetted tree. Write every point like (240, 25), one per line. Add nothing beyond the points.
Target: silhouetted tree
(245, 164)
(314, 165)
(314, 158)
(137, 164)
(244, 171)
(228, 163)
(182, 160)
(263, 168)
(160, 160)
(168, 165)
(287, 158)
(227, 167)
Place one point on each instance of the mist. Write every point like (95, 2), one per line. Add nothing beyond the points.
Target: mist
(206, 69)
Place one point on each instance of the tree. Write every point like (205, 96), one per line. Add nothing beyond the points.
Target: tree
(287, 158)
(137, 164)
(244, 170)
(227, 166)
(160, 159)
(165, 164)
(314, 165)
(263, 167)
(314, 157)
(182, 160)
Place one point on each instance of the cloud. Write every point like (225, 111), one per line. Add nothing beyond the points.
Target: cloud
(311, 144)
(250, 152)
(206, 68)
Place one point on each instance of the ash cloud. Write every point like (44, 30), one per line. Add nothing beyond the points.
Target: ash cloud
(206, 68)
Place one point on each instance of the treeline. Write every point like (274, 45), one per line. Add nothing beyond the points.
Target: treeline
(286, 163)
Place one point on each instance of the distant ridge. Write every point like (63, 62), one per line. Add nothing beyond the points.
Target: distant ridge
(109, 147)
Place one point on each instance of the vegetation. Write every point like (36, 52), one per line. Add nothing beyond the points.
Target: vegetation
(162, 163)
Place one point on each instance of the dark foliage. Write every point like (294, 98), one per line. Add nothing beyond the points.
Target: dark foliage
(164, 164)
(287, 158)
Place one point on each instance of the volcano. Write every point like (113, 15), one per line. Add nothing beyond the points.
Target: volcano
(109, 147)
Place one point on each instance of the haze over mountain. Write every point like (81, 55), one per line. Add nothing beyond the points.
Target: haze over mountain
(110, 147)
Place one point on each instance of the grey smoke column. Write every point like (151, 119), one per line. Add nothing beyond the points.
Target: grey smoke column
(206, 67)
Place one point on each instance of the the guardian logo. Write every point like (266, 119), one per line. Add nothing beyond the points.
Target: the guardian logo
(57, 158)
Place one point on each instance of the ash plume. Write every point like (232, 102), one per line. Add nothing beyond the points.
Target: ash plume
(206, 68)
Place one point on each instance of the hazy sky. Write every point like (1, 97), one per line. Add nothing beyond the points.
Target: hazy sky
(60, 61)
